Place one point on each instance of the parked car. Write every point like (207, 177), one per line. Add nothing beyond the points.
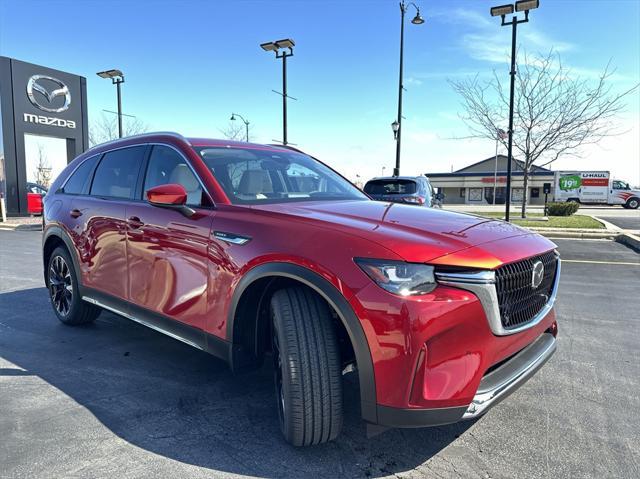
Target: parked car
(250, 251)
(415, 190)
(35, 193)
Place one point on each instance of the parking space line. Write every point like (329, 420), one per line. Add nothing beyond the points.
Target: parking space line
(589, 261)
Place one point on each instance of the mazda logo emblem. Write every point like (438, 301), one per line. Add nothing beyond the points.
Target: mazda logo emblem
(35, 84)
(537, 274)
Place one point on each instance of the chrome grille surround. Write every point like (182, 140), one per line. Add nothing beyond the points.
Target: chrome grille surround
(483, 285)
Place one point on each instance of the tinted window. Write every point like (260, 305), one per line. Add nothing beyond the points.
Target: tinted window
(256, 176)
(390, 187)
(166, 165)
(76, 183)
(117, 173)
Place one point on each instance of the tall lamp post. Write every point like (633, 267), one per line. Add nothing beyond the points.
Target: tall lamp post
(503, 11)
(117, 78)
(283, 49)
(246, 124)
(397, 125)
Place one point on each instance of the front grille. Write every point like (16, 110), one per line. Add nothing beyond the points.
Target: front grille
(519, 301)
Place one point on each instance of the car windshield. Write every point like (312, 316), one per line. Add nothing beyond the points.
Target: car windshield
(390, 187)
(264, 176)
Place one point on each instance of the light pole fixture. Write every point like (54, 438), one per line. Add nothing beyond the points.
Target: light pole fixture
(246, 124)
(283, 49)
(503, 11)
(117, 78)
(395, 126)
(397, 132)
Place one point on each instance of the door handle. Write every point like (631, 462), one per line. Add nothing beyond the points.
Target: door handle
(75, 213)
(134, 222)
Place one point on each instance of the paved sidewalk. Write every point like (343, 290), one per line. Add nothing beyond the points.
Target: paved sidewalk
(20, 223)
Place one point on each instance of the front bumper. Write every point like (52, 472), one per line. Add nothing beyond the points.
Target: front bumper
(496, 385)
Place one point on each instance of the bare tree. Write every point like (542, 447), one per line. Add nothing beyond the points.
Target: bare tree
(555, 111)
(235, 130)
(106, 128)
(43, 169)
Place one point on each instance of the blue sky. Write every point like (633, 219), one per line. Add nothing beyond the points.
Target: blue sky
(189, 64)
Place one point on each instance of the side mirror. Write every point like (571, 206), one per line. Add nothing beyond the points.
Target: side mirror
(170, 196)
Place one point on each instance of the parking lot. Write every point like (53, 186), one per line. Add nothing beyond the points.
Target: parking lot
(115, 399)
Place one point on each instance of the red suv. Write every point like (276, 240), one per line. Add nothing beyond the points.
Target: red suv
(246, 251)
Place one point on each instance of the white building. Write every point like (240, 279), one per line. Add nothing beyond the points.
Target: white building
(475, 183)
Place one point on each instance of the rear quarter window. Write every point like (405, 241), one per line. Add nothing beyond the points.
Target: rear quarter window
(78, 182)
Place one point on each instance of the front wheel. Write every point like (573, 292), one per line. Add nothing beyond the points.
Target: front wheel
(633, 203)
(307, 371)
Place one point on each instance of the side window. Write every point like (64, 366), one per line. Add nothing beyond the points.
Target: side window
(80, 178)
(167, 166)
(117, 173)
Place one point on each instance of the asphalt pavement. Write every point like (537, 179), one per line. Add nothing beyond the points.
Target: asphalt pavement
(631, 222)
(114, 399)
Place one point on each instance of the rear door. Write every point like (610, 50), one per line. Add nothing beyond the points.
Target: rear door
(99, 228)
(167, 251)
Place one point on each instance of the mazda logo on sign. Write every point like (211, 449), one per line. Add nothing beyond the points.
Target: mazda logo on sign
(36, 84)
(537, 275)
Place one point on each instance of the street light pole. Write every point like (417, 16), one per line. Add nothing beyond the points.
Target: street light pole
(284, 97)
(512, 73)
(397, 130)
(117, 79)
(283, 49)
(503, 11)
(118, 83)
(246, 124)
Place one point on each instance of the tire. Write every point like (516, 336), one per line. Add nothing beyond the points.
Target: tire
(62, 283)
(633, 203)
(307, 367)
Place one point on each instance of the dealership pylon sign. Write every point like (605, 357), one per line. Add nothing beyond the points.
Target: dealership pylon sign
(43, 127)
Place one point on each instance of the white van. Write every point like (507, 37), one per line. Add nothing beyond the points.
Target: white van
(594, 187)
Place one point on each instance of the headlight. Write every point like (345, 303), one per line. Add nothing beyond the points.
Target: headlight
(398, 277)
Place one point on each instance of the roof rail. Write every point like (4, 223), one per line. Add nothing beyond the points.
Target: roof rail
(141, 135)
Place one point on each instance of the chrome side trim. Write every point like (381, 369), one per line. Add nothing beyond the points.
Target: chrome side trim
(498, 384)
(91, 300)
(482, 284)
(231, 237)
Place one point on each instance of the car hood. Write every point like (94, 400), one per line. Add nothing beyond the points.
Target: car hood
(420, 234)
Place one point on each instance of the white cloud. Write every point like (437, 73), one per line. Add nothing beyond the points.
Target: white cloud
(486, 41)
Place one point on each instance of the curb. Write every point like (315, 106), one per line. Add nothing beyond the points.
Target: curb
(20, 227)
(575, 233)
(607, 225)
(562, 234)
(630, 240)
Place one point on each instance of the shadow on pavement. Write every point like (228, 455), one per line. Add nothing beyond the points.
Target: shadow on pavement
(167, 398)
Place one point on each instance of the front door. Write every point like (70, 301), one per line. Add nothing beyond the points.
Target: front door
(167, 252)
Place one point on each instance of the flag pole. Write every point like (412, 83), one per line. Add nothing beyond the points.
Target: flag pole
(495, 171)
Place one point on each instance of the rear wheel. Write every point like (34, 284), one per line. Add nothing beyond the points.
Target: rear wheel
(307, 371)
(633, 203)
(62, 283)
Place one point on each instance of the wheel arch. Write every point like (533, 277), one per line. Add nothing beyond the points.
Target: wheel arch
(631, 198)
(53, 237)
(262, 277)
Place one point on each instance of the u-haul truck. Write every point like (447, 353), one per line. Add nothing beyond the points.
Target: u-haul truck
(594, 187)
